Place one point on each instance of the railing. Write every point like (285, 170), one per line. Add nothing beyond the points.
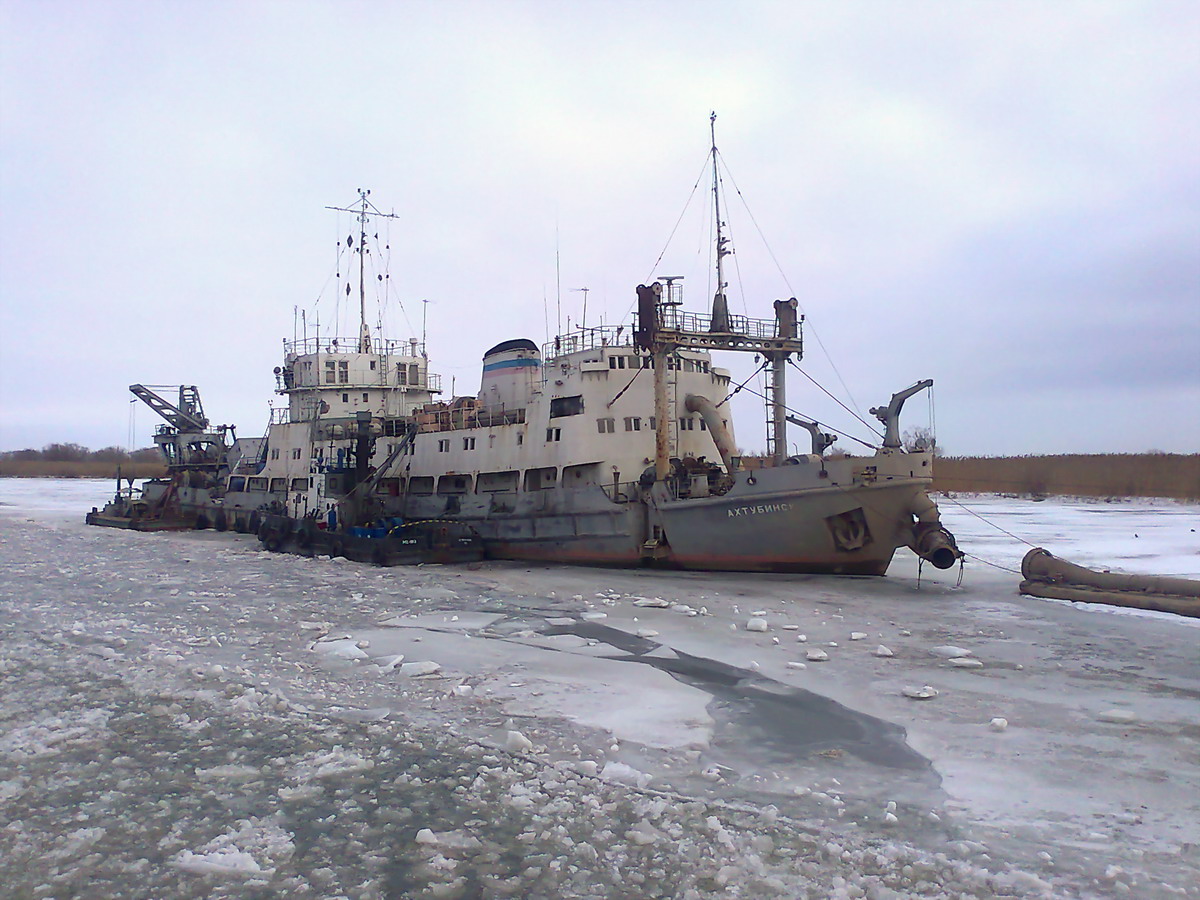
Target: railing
(307, 346)
(280, 415)
(675, 319)
(588, 339)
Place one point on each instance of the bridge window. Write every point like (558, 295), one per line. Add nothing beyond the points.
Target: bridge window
(633, 423)
(329, 370)
(606, 426)
(553, 434)
(444, 445)
(468, 443)
(566, 406)
(343, 372)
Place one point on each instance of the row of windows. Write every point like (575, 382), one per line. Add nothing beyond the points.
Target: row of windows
(647, 362)
(296, 453)
(274, 485)
(608, 425)
(338, 372)
(468, 443)
(539, 479)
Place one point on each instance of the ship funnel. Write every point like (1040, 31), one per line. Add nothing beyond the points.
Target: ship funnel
(510, 371)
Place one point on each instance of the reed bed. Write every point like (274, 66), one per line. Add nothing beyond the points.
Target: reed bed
(1173, 475)
(46, 468)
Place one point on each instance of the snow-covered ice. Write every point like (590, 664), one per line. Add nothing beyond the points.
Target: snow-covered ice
(185, 715)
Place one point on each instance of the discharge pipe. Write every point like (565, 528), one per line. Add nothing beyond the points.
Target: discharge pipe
(716, 427)
(930, 539)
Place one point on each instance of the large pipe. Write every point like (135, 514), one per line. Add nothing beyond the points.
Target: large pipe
(930, 539)
(716, 427)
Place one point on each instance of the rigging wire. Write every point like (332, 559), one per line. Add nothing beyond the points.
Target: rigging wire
(743, 384)
(624, 389)
(988, 521)
(869, 426)
(682, 213)
(783, 275)
(866, 444)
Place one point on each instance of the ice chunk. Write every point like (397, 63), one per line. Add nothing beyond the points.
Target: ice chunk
(883, 651)
(655, 602)
(963, 662)
(857, 635)
(756, 624)
(1117, 716)
(998, 723)
(343, 648)
(221, 861)
(416, 669)
(920, 693)
(517, 742)
(948, 651)
(817, 656)
(647, 633)
(388, 663)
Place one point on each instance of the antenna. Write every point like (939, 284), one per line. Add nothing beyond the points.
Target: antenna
(365, 210)
(584, 291)
(720, 308)
(557, 285)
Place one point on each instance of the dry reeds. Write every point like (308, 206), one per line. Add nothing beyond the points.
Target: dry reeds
(90, 468)
(1100, 475)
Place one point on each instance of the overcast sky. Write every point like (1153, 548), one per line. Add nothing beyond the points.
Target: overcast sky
(1001, 196)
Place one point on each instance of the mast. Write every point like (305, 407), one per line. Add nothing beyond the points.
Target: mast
(365, 210)
(720, 309)
(364, 333)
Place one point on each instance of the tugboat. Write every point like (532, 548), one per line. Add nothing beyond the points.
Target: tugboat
(610, 445)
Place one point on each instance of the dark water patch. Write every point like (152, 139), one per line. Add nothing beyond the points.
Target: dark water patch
(780, 723)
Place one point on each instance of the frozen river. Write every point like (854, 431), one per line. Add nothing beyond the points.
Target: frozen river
(184, 715)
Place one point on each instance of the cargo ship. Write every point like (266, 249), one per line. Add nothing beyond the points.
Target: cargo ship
(610, 445)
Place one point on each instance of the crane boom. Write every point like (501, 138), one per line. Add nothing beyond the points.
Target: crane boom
(187, 416)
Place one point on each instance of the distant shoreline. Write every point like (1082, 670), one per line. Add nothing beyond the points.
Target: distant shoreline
(1168, 475)
(38, 468)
